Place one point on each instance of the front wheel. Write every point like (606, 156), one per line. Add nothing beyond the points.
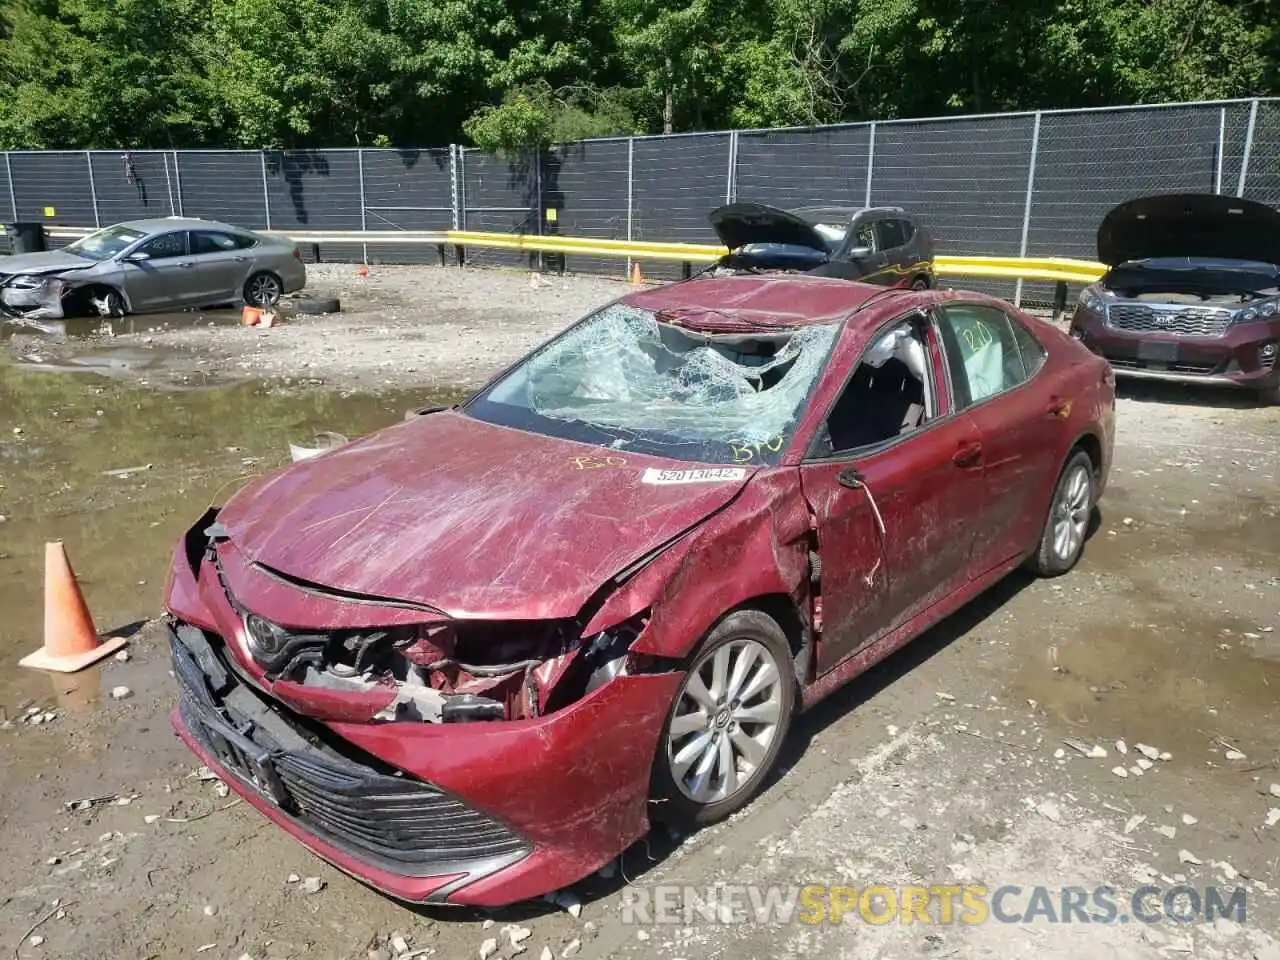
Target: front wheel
(1062, 540)
(727, 722)
(920, 283)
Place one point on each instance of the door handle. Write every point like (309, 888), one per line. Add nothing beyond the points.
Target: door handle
(241, 259)
(967, 454)
(850, 477)
(1059, 408)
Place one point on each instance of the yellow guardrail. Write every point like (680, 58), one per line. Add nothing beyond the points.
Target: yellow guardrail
(1049, 269)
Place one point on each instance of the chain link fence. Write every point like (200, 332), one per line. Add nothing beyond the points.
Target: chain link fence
(1032, 184)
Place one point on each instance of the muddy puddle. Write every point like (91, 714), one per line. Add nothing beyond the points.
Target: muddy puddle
(118, 473)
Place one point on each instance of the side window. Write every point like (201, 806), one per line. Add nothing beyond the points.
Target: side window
(982, 351)
(864, 236)
(888, 395)
(1033, 352)
(165, 246)
(205, 241)
(889, 234)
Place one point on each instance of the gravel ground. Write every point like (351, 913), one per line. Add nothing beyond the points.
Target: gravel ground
(946, 765)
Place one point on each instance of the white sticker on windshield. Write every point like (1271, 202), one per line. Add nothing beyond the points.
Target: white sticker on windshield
(699, 475)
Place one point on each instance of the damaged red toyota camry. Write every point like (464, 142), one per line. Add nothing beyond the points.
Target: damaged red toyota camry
(466, 657)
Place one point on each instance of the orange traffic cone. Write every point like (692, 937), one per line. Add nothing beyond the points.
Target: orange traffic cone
(70, 641)
(636, 277)
(251, 316)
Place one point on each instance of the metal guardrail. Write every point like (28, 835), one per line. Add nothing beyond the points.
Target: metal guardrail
(1058, 270)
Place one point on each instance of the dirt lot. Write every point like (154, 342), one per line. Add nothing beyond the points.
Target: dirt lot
(945, 765)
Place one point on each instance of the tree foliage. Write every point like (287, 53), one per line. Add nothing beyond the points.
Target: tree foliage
(510, 74)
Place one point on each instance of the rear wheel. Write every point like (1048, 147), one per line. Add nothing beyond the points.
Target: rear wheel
(727, 722)
(920, 283)
(1062, 540)
(263, 290)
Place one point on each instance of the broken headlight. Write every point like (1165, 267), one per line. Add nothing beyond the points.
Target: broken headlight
(1093, 300)
(1259, 310)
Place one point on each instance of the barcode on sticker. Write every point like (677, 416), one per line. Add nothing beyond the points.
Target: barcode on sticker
(699, 475)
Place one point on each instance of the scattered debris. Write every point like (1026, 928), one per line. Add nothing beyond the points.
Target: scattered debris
(399, 944)
(1273, 817)
(1234, 755)
(1144, 763)
(151, 818)
(1122, 748)
(518, 935)
(1132, 824)
(571, 948)
(1186, 856)
(1227, 869)
(546, 954)
(123, 657)
(1189, 820)
(1275, 789)
(1049, 810)
(1120, 772)
(312, 885)
(488, 923)
(126, 471)
(1151, 753)
(1092, 751)
(488, 948)
(293, 878)
(205, 948)
(1169, 832)
(121, 693)
(210, 910)
(945, 696)
(35, 940)
(87, 802)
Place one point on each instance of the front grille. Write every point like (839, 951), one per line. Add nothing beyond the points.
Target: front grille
(1191, 367)
(399, 823)
(1185, 322)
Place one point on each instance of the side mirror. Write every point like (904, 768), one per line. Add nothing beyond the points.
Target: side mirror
(857, 253)
(136, 257)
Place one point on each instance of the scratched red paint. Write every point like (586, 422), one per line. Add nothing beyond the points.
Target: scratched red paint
(445, 519)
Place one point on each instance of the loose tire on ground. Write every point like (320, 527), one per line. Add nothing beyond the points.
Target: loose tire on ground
(310, 305)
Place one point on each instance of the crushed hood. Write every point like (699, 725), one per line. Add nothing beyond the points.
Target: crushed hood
(471, 519)
(1189, 225)
(739, 224)
(51, 261)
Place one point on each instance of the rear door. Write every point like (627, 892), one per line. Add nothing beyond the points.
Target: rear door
(222, 264)
(163, 277)
(994, 363)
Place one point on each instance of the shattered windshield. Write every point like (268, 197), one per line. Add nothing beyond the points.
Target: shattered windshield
(104, 243)
(626, 380)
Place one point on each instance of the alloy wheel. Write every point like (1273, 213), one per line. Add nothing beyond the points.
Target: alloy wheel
(728, 714)
(1071, 512)
(264, 290)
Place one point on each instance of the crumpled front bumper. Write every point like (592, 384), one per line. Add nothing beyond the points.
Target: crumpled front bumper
(34, 303)
(484, 813)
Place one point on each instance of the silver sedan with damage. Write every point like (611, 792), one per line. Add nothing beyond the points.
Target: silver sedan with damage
(150, 265)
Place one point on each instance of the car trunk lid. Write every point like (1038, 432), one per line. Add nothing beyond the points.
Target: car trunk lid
(740, 224)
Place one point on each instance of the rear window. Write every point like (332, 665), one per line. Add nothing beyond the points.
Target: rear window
(1032, 350)
(889, 234)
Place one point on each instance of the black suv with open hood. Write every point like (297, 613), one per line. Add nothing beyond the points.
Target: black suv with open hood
(882, 245)
(1192, 293)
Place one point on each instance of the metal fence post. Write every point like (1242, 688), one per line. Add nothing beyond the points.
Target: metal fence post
(538, 203)
(364, 247)
(1248, 147)
(1026, 206)
(13, 196)
(731, 181)
(93, 189)
(631, 189)
(168, 184)
(871, 160)
(453, 185)
(1222, 149)
(462, 187)
(177, 180)
(266, 197)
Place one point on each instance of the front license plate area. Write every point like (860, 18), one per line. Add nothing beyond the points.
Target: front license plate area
(241, 756)
(1158, 351)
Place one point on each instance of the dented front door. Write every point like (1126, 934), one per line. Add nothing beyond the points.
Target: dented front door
(928, 490)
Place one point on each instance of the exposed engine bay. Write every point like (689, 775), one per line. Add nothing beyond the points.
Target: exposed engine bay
(448, 672)
(1195, 282)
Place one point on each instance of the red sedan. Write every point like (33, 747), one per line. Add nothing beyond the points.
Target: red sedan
(464, 657)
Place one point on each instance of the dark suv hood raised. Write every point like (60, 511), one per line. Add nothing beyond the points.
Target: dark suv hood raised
(739, 224)
(1189, 225)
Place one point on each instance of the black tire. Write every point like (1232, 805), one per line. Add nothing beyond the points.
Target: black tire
(311, 306)
(920, 283)
(263, 289)
(672, 804)
(1269, 396)
(1048, 560)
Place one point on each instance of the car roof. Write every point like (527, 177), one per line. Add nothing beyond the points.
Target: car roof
(157, 224)
(754, 303)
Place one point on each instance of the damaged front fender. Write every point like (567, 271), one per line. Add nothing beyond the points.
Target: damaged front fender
(55, 296)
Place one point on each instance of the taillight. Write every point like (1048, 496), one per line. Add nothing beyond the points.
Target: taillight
(297, 254)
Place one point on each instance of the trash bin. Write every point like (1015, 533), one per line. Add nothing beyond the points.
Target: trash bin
(25, 237)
